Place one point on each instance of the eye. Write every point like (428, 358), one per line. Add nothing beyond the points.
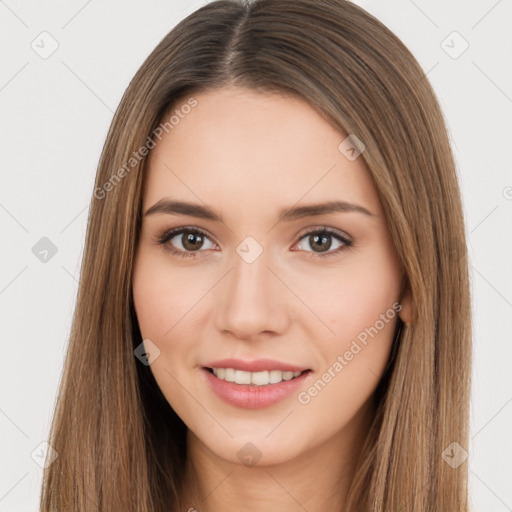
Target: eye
(184, 242)
(321, 238)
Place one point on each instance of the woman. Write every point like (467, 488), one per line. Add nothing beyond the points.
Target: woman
(274, 305)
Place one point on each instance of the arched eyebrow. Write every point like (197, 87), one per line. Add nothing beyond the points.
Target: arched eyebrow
(173, 207)
(311, 210)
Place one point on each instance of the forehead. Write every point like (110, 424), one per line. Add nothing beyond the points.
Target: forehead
(259, 149)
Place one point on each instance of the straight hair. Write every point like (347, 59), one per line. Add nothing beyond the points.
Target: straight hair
(121, 447)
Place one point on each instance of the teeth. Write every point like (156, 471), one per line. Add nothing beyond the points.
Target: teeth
(242, 377)
(256, 378)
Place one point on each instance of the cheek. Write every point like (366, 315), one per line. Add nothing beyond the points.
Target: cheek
(164, 298)
(170, 312)
(358, 304)
(351, 297)
(163, 304)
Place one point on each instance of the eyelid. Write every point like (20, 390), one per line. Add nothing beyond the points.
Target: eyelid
(323, 228)
(168, 234)
(164, 237)
(346, 240)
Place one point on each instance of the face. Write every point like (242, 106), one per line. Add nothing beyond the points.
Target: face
(247, 271)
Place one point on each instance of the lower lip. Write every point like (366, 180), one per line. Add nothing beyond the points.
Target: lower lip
(252, 396)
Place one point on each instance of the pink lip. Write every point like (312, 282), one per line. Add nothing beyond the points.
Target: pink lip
(250, 396)
(258, 365)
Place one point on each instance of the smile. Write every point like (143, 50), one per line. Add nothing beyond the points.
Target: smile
(254, 390)
(262, 378)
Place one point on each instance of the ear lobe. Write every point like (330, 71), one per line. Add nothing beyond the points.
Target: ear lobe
(406, 313)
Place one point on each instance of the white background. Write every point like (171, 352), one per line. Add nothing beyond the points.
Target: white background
(55, 116)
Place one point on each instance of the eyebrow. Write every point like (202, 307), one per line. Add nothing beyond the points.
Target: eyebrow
(171, 207)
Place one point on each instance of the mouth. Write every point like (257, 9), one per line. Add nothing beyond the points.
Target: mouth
(254, 390)
(260, 378)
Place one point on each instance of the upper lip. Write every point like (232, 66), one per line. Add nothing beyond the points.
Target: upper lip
(257, 365)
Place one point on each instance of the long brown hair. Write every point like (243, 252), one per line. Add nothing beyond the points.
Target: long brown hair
(120, 445)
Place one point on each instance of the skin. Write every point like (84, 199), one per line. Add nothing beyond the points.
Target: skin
(247, 155)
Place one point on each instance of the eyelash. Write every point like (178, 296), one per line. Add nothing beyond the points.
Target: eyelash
(169, 234)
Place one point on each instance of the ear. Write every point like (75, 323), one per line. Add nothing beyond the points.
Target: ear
(406, 313)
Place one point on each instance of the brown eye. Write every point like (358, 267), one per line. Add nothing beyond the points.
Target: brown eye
(321, 241)
(192, 241)
(185, 242)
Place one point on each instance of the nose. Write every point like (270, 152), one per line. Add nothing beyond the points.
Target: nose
(252, 301)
